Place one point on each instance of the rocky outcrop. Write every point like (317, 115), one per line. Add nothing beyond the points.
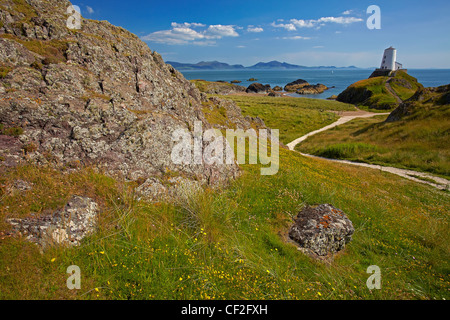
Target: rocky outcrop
(68, 226)
(274, 94)
(355, 95)
(296, 85)
(96, 96)
(277, 88)
(301, 86)
(258, 88)
(217, 87)
(424, 98)
(321, 230)
(312, 89)
(381, 92)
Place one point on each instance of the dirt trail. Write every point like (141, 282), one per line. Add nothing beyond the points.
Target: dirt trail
(389, 88)
(345, 117)
(437, 182)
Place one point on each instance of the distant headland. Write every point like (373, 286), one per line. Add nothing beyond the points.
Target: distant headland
(272, 65)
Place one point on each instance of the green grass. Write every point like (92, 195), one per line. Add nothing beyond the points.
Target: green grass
(53, 51)
(372, 94)
(381, 98)
(11, 131)
(420, 145)
(294, 117)
(231, 243)
(404, 85)
(207, 86)
(4, 70)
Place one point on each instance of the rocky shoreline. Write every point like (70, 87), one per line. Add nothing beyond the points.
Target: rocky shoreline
(300, 86)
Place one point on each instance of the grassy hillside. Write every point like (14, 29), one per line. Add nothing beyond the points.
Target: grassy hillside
(418, 140)
(374, 94)
(404, 85)
(294, 117)
(231, 244)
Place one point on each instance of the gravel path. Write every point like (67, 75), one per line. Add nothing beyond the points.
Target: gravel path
(437, 182)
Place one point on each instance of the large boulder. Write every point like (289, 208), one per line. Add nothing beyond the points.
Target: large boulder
(96, 96)
(321, 230)
(258, 88)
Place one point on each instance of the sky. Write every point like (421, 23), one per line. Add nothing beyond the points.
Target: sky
(310, 33)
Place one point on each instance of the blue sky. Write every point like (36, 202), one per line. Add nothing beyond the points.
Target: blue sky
(307, 33)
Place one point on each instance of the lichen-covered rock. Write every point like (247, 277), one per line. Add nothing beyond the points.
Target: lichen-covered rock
(321, 230)
(95, 96)
(68, 226)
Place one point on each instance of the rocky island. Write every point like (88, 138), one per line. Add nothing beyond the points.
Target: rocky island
(301, 86)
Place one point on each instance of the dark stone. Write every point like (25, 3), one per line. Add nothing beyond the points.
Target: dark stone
(258, 88)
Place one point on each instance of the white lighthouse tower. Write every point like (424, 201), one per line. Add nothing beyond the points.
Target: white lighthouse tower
(389, 59)
(389, 64)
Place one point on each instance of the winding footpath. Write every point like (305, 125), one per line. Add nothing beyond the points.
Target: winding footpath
(436, 182)
(393, 93)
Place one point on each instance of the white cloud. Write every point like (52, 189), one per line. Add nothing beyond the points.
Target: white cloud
(287, 26)
(89, 10)
(347, 12)
(187, 25)
(304, 23)
(218, 31)
(175, 36)
(184, 33)
(296, 38)
(254, 29)
(317, 23)
(340, 20)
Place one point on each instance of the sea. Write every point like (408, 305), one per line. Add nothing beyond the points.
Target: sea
(340, 79)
